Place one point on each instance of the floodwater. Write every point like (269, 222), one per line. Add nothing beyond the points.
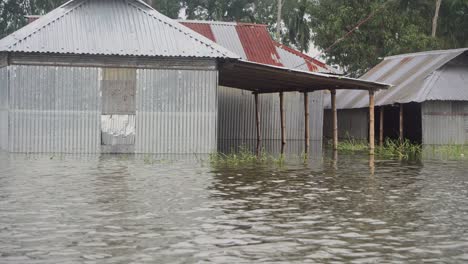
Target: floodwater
(139, 209)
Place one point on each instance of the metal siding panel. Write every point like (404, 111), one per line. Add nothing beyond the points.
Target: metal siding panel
(4, 108)
(237, 116)
(443, 123)
(352, 124)
(176, 111)
(54, 109)
(119, 27)
(226, 35)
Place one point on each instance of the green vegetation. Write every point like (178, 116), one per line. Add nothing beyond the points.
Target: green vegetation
(405, 150)
(245, 157)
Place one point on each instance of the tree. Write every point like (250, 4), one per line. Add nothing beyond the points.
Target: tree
(401, 26)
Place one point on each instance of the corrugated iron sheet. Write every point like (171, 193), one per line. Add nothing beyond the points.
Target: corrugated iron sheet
(257, 44)
(237, 115)
(444, 122)
(352, 124)
(118, 27)
(4, 108)
(54, 109)
(253, 42)
(176, 111)
(226, 35)
(202, 29)
(416, 77)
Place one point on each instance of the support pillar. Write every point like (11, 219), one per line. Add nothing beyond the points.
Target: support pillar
(283, 122)
(381, 126)
(306, 122)
(371, 123)
(334, 119)
(401, 124)
(257, 122)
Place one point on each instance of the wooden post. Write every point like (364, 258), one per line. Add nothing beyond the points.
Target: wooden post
(334, 119)
(401, 124)
(306, 122)
(381, 127)
(371, 123)
(283, 122)
(257, 121)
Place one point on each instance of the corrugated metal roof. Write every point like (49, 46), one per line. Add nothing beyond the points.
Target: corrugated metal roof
(111, 27)
(415, 77)
(253, 42)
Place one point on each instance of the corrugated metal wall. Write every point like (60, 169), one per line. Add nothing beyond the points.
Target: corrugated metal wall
(444, 122)
(176, 111)
(54, 109)
(237, 115)
(352, 124)
(4, 108)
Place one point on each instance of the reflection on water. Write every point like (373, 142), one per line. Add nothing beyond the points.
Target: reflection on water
(125, 209)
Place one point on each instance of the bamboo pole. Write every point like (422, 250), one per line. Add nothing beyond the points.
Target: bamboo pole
(306, 122)
(371, 123)
(401, 124)
(257, 122)
(334, 119)
(283, 122)
(381, 128)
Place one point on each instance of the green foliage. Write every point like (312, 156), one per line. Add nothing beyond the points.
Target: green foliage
(245, 157)
(401, 26)
(390, 149)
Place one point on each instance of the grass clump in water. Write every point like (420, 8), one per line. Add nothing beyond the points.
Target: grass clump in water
(390, 149)
(244, 156)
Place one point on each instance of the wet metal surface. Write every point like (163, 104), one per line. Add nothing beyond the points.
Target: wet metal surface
(144, 209)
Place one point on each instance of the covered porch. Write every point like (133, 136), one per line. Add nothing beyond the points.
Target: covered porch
(266, 79)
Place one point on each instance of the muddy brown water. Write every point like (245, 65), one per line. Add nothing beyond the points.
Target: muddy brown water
(136, 209)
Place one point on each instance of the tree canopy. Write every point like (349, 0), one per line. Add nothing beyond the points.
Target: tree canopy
(395, 26)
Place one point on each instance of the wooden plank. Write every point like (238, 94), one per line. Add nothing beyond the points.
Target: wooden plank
(257, 122)
(334, 119)
(401, 124)
(283, 122)
(371, 123)
(306, 122)
(381, 127)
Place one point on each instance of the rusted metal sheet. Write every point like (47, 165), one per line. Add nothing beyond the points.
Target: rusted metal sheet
(257, 44)
(253, 42)
(54, 109)
(118, 27)
(203, 29)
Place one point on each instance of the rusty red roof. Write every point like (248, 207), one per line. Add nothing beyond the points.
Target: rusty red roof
(253, 43)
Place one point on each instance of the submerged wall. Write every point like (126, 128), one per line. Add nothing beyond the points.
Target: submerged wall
(4, 108)
(237, 116)
(54, 109)
(61, 109)
(445, 122)
(176, 111)
(352, 124)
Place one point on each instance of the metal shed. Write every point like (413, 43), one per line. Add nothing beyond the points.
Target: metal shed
(252, 42)
(116, 76)
(429, 98)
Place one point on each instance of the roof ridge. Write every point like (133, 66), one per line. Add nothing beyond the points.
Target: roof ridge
(43, 19)
(227, 23)
(190, 33)
(422, 53)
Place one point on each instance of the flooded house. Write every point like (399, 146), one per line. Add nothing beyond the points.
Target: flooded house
(427, 104)
(116, 76)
